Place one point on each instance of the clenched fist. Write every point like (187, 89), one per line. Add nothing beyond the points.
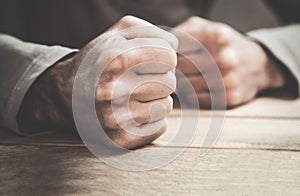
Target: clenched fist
(132, 115)
(245, 67)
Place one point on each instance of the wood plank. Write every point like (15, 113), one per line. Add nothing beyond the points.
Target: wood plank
(8, 137)
(269, 107)
(264, 123)
(27, 170)
(257, 154)
(240, 133)
(265, 107)
(236, 133)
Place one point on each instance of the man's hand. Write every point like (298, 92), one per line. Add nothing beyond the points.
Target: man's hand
(49, 101)
(245, 67)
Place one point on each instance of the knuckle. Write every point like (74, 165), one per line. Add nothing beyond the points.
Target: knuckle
(195, 19)
(223, 28)
(127, 18)
(127, 22)
(167, 57)
(222, 32)
(234, 97)
(227, 59)
(104, 93)
(124, 59)
(109, 122)
(232, 81)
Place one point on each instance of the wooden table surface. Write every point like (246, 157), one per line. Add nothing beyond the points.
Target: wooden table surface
(257, 153)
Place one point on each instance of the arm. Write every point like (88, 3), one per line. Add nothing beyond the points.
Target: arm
(21, 64)
(283, 44)
(48, 102)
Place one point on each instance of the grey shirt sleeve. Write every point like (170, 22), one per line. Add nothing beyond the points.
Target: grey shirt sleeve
(284, 44)
(20, 64)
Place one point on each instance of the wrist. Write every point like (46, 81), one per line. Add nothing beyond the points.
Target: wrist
(273, 73)
(42, 107)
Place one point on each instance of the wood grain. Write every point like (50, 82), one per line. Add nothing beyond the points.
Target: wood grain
(27, 170)
(264, 123)
(265, 107)
(241, 133)
(235, 133)
(257, 153)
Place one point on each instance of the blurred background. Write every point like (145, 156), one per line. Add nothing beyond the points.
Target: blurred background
(73, 23)
(251, 14)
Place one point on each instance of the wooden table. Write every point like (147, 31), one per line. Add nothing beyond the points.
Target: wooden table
(257, 153)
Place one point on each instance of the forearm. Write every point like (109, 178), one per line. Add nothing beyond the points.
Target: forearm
(21, 64)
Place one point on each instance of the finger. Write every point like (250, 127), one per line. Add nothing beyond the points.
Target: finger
(219, 34)
(152, 68)
(197, 81)
(148, 112)
(194, 26)
(151, 32)
(130, 22)
(204, 100)
(143, 88)
(149, 133)
(131, 27)
(135, 114)
(227, 60)
(209, 81)
(195, 63)
(208, 100)
(212, 35)
(143, 50)
(155, 87)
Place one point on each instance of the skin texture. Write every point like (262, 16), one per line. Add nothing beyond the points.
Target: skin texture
(48, 102)
(245, 66)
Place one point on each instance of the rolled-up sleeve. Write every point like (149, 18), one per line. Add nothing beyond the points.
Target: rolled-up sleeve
(284, 44)
(21, 63)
